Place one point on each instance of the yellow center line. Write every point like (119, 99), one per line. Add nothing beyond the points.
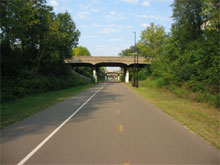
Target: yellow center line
(126, 163)
(118, 112)
(121, 128)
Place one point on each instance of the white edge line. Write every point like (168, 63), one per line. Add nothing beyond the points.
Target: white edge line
(56, 130)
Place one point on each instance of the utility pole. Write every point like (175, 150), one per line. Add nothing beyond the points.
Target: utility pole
(137, 62)
(134, 81)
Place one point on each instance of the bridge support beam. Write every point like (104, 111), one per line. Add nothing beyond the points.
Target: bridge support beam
(127, 76)
(95, 75)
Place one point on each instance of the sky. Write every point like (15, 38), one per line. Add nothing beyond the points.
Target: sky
(107, 26)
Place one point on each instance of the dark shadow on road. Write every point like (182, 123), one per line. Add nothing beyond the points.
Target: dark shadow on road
(49, 119)
(98, 103)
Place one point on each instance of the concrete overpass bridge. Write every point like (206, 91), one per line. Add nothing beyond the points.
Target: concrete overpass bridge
(100, 61)
(113, 74)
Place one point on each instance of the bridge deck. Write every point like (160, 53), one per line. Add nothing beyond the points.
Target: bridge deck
(94, 60)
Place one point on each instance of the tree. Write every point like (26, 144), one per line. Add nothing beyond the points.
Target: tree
(34, 43)
(129, 52)
(210, 12)
(152, 41)
(187, 21)
(81, 51)
(191, 51)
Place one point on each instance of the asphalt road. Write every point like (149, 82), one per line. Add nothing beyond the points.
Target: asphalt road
(115, 126)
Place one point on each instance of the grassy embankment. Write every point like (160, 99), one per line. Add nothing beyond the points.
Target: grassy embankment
(14, 111)
(201, 118)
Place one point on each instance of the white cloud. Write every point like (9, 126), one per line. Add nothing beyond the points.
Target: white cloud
(112, 13)
(88, 7)
(84, 6)
(91, 36)
(146, 16)
(145, 25)
(116, 26)
(53, 3)
(97, 25)
(130, 1)
(146, 3)
(99, 47)
(66, 0)
(83, 14)
(109, 30)
(112, 16)
(94, 10)
(153, 17)
(115, 39)
(112, 28)
(165, 1)
(84, 26)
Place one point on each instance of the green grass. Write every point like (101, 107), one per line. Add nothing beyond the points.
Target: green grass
(14, 111)
(201, 118)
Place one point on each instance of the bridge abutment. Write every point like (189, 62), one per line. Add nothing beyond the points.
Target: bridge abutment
(127, 76)
(95, 75)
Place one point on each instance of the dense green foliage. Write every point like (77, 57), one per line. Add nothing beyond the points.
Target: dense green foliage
(127, 52)
(189, 55)
(34, 43)
(152, 41)
(81, 51)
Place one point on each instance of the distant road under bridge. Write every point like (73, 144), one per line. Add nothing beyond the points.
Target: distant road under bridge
(113, 75)
(100, 61)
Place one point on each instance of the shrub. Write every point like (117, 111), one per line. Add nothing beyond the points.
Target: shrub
(199, 97)
(179, 91)
(195, 85)
(29, 83)
(214, 99)
(160, 82)
(217, 101)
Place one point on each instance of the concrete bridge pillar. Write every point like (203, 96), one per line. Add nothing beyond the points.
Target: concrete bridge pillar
(127, 76)
(95, 75)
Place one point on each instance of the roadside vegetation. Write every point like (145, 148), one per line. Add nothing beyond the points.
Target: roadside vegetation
(183, 79)
(34, 44)
(19, 109)
(200, 118)
(186, 60)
